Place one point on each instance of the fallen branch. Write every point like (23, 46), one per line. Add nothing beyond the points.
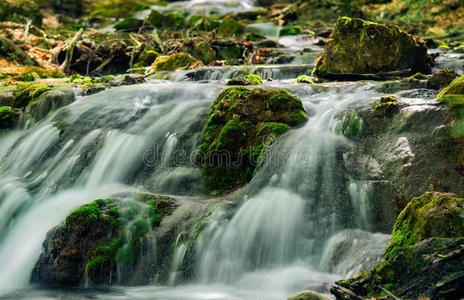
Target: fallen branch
(65, 66)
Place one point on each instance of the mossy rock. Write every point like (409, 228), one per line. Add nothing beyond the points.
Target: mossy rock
(146, 57)
(20, 11)
(290, 30)
(175, 62)
(242, 124)
(433, 267)
(118, 8)
(361, 47)
(305, 79)
(168, 21)
(442, 78)
(203, 51)
(230, 53)
(230, 27)
(456, 87)
(100, 237)
(26, 93)
(430, 215)
(8, 117)
(250, 79)
(387, 105)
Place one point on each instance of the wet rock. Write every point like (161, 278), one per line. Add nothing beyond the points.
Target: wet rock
(242, 124)
(174, 62)
(401, 85)
(203, 51)
(8, 117)
(129, 24)
(360, 47)
(430, 215)
(97, 238)
(50, 101)
(425, 255)
(305, 79)
(387, 105)
(250, 79)
(308, 295)
(442, 78)
(27, 93)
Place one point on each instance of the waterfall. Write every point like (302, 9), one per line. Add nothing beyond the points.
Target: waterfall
(299, 223)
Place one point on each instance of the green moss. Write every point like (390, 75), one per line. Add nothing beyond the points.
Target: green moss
(173, 62)
(230, 27)
(118, 8)
(304, 79)
(351, 125)
(250, 79)
(203, 51)
(290, 30)
(146, 57)
(128, 24)
(386, 106)
(8, 117)
(253, 37)
(430, 215)
(230, 53)
(418, 76)
(235, 138)
(26, 93)
(103, 259)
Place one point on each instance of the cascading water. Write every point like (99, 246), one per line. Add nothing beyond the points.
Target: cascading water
(282, 239)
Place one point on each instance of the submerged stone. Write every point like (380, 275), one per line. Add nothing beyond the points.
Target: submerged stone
(242, 124)
(361, 47)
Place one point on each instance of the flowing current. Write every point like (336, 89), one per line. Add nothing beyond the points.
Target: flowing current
(290, 232)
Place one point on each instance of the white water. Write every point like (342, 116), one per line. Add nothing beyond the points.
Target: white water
(284, 238)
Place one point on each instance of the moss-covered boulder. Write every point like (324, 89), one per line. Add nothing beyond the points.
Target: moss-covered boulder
(175, 62)
(229, 27)
(242, 123)
(26, 93)
(430, 215)
(98, 238)
(360, 47)
(453, 97)
(442, 78)
(8, 117)
(20, 11)
(425, 252)
(431, 269)
(50, 101)
(250, 79)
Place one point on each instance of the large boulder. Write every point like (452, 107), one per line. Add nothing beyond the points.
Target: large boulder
(360, 47)
(430, 215)
(426, 252)
(101, 239)
(242, 123)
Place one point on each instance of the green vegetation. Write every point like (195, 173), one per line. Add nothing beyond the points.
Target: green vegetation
(250, 79)
(305, 79)
(386, 106)
(174, 62)
(290, 30)
(7, 117)
(230, 27)
(242, 124)
(26, 93)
